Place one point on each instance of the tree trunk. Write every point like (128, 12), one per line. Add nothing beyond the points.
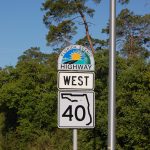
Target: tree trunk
(87, 30)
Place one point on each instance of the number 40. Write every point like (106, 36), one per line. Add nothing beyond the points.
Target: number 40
(68, 113)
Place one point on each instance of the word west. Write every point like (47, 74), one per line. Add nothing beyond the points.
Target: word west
(76, 80)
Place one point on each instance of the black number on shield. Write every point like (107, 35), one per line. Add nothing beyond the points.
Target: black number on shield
(69, 110)
(76, 113)
(68, 113)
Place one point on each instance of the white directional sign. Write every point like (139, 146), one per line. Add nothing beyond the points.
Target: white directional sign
(76, 109)
(76, 80)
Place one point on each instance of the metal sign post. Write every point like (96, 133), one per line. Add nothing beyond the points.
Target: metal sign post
(75, 145)
(112, 78)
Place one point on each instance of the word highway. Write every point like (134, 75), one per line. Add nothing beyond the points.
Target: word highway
(75, 67)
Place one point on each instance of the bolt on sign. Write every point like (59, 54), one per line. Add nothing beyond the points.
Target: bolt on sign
(76, 98)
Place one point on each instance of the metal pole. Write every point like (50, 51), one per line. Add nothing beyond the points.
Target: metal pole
(112, 78)
(74, 139)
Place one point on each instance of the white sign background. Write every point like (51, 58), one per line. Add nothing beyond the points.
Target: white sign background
(76, 109)
(76, 80)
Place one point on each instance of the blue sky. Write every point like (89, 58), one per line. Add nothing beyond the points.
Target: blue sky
(21, 25)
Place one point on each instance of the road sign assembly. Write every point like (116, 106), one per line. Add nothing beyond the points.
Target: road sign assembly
(75, 82)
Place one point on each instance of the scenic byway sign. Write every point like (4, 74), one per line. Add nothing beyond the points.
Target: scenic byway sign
(76, 109)
(75, 80)
(76, 57)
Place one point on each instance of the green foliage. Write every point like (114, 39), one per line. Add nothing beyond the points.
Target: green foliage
(133, 105)
(28, 105)
(97, 44)
(2, 125)
(28, 96)
(62, 32)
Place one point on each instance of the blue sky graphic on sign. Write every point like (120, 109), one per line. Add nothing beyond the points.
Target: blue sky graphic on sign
(76, 56)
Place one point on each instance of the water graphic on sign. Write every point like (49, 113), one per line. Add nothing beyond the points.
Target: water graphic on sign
(76, 56)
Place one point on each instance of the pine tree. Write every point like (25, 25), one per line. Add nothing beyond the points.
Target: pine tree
(60, 19)
(132, 33)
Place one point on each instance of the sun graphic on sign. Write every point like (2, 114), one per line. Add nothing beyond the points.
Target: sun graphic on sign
(75, 56)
